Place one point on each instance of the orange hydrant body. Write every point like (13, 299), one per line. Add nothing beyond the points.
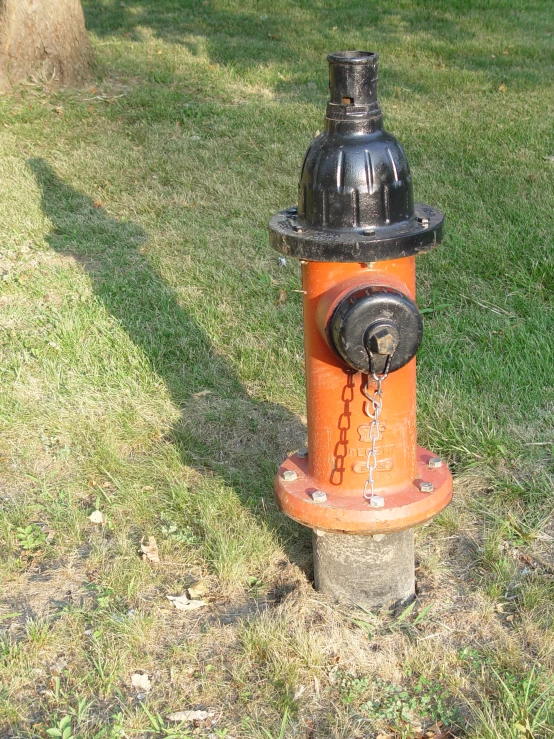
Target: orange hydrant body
(338, 427)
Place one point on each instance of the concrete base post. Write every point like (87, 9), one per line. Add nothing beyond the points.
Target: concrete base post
(370, 571)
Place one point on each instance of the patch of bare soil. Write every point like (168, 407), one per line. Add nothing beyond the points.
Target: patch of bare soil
(42, 590)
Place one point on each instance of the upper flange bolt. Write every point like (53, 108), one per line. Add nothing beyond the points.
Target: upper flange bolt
(289, 475)
(434, 463)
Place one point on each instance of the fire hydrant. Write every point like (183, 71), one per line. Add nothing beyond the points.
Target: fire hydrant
(362, 484)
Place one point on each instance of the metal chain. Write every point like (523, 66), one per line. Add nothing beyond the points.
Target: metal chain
(372, 408)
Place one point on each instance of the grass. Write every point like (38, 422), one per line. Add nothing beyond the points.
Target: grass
(149, 370)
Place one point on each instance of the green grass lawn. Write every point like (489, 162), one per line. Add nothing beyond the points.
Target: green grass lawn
(149, 371)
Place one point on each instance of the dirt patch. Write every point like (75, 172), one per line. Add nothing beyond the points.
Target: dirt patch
(41, 591)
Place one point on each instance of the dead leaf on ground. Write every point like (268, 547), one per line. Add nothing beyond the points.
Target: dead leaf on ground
(202, 393)
(185, 604)
(150, 550)
(59, 666)
(97, 204)
(436, 732)
(190, 715)
(97, 517)
(502, 88)
(141, 682)
(282, 297)
(197, 589)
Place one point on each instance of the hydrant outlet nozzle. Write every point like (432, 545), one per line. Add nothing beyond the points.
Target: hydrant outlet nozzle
(375, 320)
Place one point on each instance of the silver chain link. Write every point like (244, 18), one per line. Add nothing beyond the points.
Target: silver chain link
(372, 408)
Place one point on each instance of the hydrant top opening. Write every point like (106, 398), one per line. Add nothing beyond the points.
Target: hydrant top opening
(352, 81)
(353, 57)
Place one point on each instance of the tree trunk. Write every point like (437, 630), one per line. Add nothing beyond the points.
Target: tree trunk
(45, 40)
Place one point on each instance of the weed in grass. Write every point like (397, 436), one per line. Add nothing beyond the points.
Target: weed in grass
(180, 535)
(106, 664)
(475, 658)
(401, 623)
(448, 520)
(105, 597)
(31, 538)
(282, 729)
(523, 709)
(351, 687)
(435, 306)
(160, 729)
(117, 730)
(38, 630)
(84, 705)
(9, 651)
(405, 709)
(536, 596)
(63, 730)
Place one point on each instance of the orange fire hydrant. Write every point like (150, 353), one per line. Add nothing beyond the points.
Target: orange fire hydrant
(363, 483)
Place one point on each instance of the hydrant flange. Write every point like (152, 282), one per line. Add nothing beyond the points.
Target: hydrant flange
(347, 512)
(291, 236)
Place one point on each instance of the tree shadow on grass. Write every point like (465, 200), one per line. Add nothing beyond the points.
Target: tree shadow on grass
(224, 431)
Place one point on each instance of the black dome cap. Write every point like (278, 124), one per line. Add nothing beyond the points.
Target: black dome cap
(355, 200)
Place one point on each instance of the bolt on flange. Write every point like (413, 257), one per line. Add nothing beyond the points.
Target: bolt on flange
(426, 486)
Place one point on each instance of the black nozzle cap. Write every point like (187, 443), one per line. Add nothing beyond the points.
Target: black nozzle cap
(353, 77)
